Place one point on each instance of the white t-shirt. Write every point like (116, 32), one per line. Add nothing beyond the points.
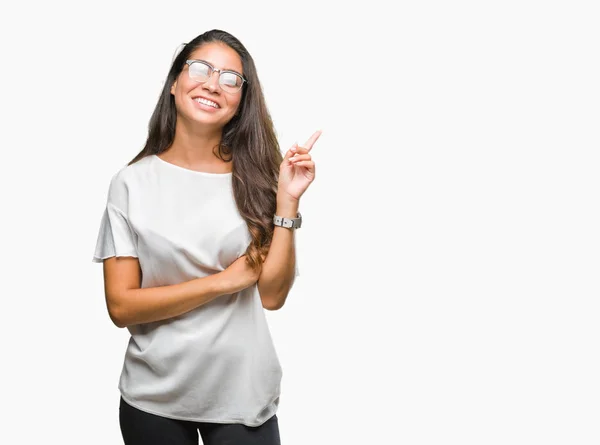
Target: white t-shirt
(217, 362)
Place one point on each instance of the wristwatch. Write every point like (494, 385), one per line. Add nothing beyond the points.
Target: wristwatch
(288, 223)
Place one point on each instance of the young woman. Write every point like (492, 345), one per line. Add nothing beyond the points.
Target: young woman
(197, 239)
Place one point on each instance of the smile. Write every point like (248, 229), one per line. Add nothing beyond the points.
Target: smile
(207, 102)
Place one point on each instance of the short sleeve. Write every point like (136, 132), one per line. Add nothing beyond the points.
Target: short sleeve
(115, 237)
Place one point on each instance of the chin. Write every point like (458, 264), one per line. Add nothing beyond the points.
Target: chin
(208, 122)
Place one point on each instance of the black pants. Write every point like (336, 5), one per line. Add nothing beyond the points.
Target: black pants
(142, 428)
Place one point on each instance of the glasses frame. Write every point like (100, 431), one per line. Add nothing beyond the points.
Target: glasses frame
(213, 69)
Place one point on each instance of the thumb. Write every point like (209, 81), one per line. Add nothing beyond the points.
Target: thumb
(290, 152)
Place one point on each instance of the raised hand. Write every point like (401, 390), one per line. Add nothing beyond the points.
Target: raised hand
(297, 170)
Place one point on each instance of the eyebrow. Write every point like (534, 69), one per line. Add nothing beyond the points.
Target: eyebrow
(224, 69)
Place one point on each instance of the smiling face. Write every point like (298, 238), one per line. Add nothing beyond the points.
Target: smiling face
(206, 103)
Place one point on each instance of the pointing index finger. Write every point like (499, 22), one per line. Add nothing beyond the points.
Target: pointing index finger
(308, 145)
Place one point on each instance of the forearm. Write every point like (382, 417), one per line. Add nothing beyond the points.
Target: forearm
(278, 270)
(146, 305)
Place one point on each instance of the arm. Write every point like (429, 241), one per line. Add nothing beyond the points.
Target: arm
(277, 275)
(128, 304)
(296, 172)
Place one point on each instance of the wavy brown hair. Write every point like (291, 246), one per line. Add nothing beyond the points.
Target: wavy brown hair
(248, 141)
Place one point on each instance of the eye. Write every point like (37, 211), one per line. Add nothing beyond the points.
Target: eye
(231, 79)
(200, 70)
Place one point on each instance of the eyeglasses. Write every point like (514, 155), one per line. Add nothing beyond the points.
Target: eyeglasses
(201, 71)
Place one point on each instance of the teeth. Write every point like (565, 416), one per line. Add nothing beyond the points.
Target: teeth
(210, 103)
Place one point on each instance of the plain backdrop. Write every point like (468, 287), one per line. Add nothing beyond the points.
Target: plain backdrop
(449, 249)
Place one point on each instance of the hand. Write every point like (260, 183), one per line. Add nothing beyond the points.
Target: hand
(238, 276)
(297, 171)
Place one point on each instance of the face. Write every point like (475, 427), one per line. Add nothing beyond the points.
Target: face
(222, 105)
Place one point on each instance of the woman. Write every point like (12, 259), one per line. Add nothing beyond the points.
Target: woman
(197, 239)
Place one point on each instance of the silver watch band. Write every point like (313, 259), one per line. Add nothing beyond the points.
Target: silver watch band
(288, 223)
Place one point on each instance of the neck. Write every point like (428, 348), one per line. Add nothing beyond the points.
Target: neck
(194, 145)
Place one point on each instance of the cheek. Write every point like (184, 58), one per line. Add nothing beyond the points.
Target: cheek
(178, 101)
(182, 100)
(235, 105)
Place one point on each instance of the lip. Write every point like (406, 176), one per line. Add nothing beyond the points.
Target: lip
(207, 98)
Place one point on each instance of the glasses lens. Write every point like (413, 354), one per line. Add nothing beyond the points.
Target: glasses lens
(230, 82)
(200, 72)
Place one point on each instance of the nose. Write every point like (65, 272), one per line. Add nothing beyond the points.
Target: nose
(212, 84)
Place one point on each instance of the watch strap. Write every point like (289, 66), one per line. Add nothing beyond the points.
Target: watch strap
(288, 223)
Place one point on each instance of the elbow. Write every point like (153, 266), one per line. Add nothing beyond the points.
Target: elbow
(116, 313)
(116, 318)
(273, 299)
(272, 306)
(119, 324)
(273, 303)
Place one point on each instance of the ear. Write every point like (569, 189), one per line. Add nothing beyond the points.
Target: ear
(173, 88)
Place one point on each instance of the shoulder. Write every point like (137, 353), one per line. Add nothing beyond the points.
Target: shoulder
(131, 172)
(125, 179)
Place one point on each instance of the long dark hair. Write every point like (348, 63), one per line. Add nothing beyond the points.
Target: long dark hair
(248, 140)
